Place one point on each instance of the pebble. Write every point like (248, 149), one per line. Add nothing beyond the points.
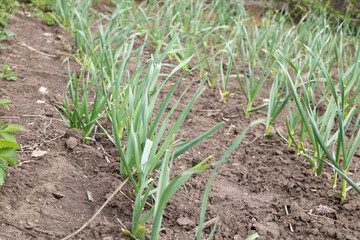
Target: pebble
(73, 132)
(107, 238)
(71, 143)
(43, 90)
(322, 209)
(38, 154)
(183, 221)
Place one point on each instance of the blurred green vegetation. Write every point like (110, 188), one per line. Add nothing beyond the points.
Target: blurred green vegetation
(40, 8)
(336, 11)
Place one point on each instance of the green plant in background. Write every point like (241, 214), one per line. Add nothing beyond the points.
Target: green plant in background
(38, 6)
(6, 7)
(42, 4)
(335, 11)
(79, 112)
(42, 9)
(72, 15)
(49, 18)
(7, 73)
(212, 68)
(64, 12)
(278, 99)
(8, 145)
(9, 6)
(4, 35)
(248, 53)
(3, 19)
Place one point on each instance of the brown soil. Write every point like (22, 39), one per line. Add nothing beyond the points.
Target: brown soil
(262, 188)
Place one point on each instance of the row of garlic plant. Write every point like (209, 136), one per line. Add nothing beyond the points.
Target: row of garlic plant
(307, 84)
(308, 49)
(235, 40)
(149, 142)
(140, 127)
(223, 42)
(221, 35)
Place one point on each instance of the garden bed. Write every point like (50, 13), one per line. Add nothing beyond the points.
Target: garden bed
(264, 187)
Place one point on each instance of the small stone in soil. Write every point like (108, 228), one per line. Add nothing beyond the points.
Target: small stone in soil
(278, 152)
(89, 195)
(57, 196)
(183, 221)
(43, 90)
(269, 228)
(108, 238)
(38, 154)
(71, 143)
(73, 132)
(322, 209)
(237, 237)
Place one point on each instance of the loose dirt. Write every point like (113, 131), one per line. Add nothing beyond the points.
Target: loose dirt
(264, 187)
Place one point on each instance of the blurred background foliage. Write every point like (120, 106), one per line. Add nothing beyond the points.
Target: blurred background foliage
(336, 11)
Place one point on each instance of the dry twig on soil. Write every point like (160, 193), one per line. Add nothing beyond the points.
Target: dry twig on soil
(97, 212)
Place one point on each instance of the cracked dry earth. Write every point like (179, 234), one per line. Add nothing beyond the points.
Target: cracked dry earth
(264, 187)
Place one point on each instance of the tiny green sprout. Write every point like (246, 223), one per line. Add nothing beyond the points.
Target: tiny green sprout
(253, 236)
(7, 73)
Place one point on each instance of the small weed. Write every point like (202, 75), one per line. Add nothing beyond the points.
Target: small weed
(49, 18)
(6, 7)
(4, 35)
(9, 6)
(42, 4)
(3, 18)
(7, 73)
(8, 145)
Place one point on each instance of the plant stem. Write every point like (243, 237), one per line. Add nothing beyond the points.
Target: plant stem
(335, 180)
(248, 110)
(343, 191)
